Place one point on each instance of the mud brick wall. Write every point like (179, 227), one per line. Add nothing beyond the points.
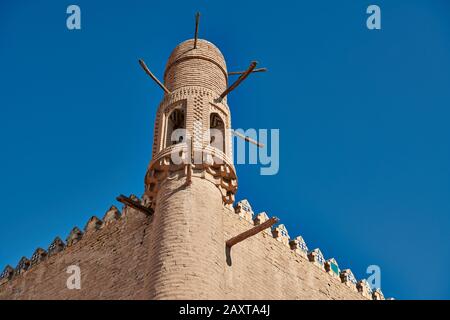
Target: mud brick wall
(113, 262)
(261, 267)
(119, 261)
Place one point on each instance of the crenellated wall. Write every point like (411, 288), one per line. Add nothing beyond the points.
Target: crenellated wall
(272, 266)
(115, 257)
(112, 254)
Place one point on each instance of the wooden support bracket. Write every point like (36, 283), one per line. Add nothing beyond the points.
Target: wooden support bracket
(241, 78)
(248, 139)
(197, 20)
(233, 73)
(247, 234)
(135, 205)
(154, 78)
(188, 174)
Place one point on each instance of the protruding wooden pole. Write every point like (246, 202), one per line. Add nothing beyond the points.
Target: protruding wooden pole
(238, 81)
(197, 20)
(247, 234)
(248, 139)
(188, 174)
(241, 72)
(144, 66)
(135, 205)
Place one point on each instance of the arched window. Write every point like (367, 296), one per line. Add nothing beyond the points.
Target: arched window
(175, 121)
(217, 132)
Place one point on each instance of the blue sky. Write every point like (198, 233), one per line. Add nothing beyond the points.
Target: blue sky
(363, 118)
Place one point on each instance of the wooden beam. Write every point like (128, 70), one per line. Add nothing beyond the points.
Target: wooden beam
(247, 234)
(188, 174)
(241, 72)
(197, 20)
(239, 80)
(147, 71)
(248, 139)
(135, 205)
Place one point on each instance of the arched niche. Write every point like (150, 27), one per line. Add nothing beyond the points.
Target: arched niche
(175, 127)
(217, 131)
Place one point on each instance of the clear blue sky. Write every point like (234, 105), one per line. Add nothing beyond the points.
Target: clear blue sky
(363, 118)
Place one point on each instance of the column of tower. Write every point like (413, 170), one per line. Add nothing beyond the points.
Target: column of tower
(191, 176)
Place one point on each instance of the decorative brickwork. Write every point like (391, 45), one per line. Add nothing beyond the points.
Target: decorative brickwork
(244, 210)
(332, 268)
(118, 261)
(364, 288)
(299, 246)
(348, 279)
(316, 257)
(38, 256)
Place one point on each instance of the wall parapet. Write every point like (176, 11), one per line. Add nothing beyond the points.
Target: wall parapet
(315, 256)
(242, 209)
(57, 246)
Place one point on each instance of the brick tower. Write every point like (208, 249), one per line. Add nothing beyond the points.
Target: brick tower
(191, 176)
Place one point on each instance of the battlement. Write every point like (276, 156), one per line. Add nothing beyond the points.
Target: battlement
(298, 245)
(58, 246)
(97, 232)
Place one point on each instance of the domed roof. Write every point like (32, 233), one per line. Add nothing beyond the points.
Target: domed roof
(202, 66)
(205, 50)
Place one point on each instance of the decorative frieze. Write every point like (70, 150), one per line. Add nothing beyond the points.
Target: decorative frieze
(38, 256)
(260, 218)
(219, 170)
(56, 246)
(93, 224)
(316, 257)
(377, 294)
(348, 279)
(281, 234)
(7, 274)
(332, 267)
(363, 287)
(244, 210)
(22, 266)
(111, 215)
(74, 236)
(299, 246)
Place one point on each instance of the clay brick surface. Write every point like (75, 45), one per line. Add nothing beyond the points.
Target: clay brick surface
(178, 256)
(187, 242)
(263, 268)
(113, 263)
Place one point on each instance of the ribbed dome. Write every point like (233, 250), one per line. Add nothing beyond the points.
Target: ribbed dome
(204, 66)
